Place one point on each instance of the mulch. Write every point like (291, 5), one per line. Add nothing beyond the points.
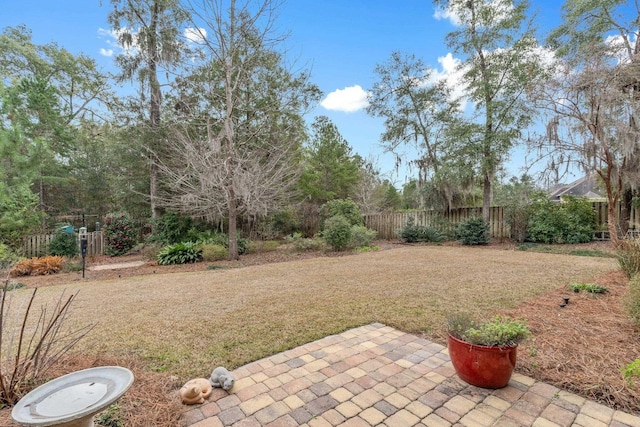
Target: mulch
(583, 346)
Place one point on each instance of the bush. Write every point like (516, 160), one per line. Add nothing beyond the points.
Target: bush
(262, 246)
(302, 244)
(633, 299)
(180, 253)
(347, 208)
(63, 244)
(474, 231)
(412, 233)
(37, 266)
(571, 221)
(279, 224)
(591, 288)
(337, 232)
(628, 254)
(361, 236)
(171, 228)
(215, 238)
(7, 257)
(120, 234)
(212, 252)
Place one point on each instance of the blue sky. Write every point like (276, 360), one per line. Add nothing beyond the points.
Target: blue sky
(341, 41)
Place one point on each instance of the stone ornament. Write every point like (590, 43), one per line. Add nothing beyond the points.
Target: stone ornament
(195, 391)
(222, 378)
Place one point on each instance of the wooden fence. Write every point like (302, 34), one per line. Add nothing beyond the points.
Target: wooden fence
(388, 224)
(37, 245)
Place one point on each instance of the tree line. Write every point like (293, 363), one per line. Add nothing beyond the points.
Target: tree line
(214, 124)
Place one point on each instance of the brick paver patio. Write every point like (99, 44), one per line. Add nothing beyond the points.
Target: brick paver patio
(378, 376)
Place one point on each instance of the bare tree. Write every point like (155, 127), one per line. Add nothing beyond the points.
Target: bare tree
(251, 106)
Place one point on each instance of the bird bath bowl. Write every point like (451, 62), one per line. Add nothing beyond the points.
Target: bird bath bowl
(72, 400)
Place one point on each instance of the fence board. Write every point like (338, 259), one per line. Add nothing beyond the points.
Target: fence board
(388, 224)
(36, 245)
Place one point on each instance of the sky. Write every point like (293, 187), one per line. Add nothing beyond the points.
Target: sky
(339, 41)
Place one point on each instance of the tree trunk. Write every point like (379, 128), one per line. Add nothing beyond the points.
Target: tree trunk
(611, 223)
(154, 110)
(233, 232)
(486, 198)
(625, 210)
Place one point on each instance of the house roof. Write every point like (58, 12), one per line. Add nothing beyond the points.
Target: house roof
(583, 187)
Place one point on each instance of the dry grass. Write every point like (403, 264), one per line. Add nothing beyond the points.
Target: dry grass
(189, 323)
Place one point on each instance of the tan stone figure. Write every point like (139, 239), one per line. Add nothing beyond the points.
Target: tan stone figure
(195, 391)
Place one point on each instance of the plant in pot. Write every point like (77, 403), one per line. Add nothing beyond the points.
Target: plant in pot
(484, 353)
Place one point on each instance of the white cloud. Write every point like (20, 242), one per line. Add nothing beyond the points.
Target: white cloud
(452, 72)
(111, 38)
(349, 100)
(106, 52)
(444, 14)
(456, 15)
(618, 46)
(195, 35)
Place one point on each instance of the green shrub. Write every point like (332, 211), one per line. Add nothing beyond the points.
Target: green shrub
(180, 253)
(361, 236)
(628, 254)
(259, 246)
(474, 231)
(412, 233)
(280, 224)
(120, 234)
(7, 257)
(211, 252)
(171, 228)
(63, 244)
(302, 244)
(347, 208)
(631, 371)
(337, 232)
(633, 299)
(215, 238)
(589, 288)
(570, 221)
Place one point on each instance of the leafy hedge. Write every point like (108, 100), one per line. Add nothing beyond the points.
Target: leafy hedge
(570, 221)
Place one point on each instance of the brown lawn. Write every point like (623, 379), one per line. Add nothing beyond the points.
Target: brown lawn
(184, 324)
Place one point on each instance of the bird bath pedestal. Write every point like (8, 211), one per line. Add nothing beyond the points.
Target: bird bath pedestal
(72, 400)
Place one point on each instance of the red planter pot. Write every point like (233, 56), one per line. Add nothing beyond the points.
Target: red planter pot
(482, 366)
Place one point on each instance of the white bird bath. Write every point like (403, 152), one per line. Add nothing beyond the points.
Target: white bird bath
(74, 399)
